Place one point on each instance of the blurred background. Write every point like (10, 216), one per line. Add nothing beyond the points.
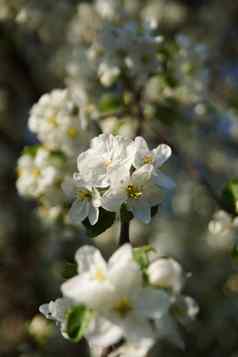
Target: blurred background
(35, 45)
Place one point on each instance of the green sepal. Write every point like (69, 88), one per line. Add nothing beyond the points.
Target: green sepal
(31, 150)
(141, 256)
(78, 320)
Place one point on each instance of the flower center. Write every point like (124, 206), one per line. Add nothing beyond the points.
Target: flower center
(35, 172)
(100, 276)
(108, 163)
(133, 192)
(84, 195)
(52, 120)
(148, 159)
(122, 307)
(72, 133)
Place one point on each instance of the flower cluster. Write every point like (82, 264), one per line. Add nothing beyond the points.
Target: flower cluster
(120, 57)
(55, 120)
(40, 174)
(223, 231)
(111, 308)
(63, 135)
(116, 171)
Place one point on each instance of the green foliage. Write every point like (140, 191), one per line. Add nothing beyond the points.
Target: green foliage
(110, 103)
(78, 320)
(105, 221)
(230, 196)
(31, 150)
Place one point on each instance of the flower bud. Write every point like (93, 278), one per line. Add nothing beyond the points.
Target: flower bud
(166, 273)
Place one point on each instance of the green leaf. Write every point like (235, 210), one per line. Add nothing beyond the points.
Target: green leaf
(141, 256)
(230, 196)
(78, 320)
(110, 103)
(105, 221)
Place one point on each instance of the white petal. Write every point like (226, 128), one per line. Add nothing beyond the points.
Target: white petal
(153, 303)
(92, 168)
(136, 329)
(141, 210)
(89, 256)
(162, 154)
(79, 211)
(163, 180)
(68, 186)
(96, 197)
(153, 195)
(93, 215)
(83, 289)
(142, 150)
(142, 175)
(56, 310)
(112, 200)
(123, 271)
(103, 333)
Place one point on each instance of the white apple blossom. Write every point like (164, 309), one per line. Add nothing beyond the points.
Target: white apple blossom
(55, 118)
(166, 273)
(40, 174)
(138, 191)
(106, 155)
(156, 157)
(129, 46)
(124, 307)
(87, 200)
(116, 292)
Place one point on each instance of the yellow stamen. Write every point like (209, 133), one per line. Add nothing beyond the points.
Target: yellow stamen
(52, 120)
(108, 163)
(35, 172)
(84, 195)
(148, 159)
(72, 133)
(100, 276)
(122, 307)
(133, 192)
